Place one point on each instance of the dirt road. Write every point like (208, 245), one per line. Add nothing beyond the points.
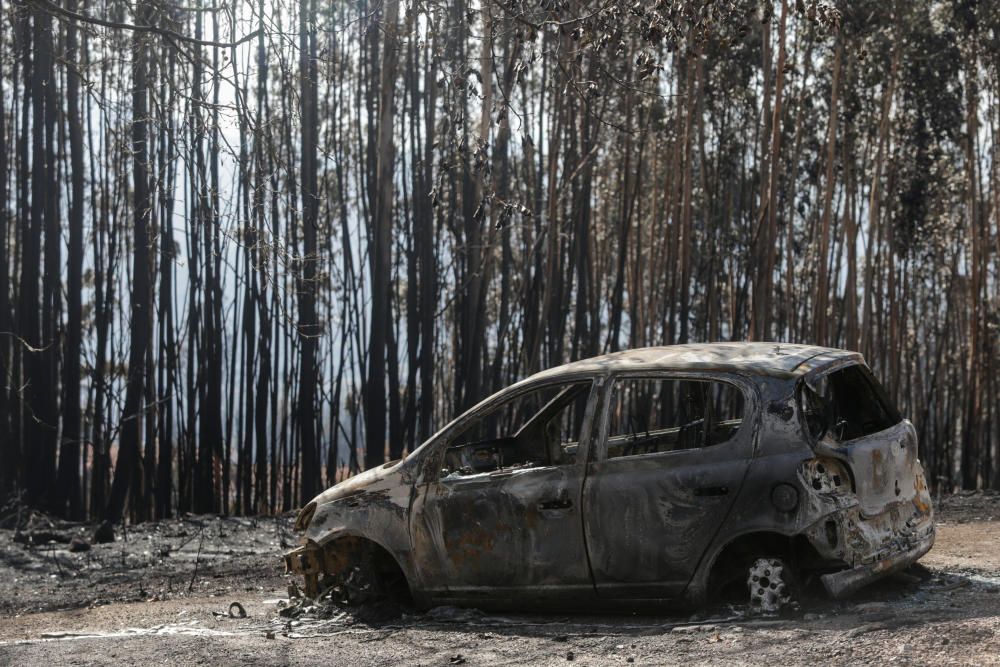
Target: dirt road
(163, 596)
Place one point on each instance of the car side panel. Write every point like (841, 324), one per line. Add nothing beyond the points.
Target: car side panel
(649, 518)
(496, 533)
(506, 533)
(779, 456)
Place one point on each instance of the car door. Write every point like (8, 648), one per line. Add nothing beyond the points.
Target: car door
(672, 452)
(500, 515)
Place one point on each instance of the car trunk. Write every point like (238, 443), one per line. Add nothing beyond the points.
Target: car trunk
(885, 520)
(851, 418)
(885, 468)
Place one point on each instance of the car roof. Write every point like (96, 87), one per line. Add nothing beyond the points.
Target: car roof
(773, 359)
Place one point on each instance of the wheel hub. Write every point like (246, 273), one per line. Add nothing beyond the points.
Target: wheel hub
(768, 581)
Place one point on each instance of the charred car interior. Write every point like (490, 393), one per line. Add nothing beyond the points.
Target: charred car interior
(536, 429)
(655, 476)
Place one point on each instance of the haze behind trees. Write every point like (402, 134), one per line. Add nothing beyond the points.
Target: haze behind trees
(250, 249)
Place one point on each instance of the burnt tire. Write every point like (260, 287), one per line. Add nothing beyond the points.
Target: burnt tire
(376, 579)
(772, 585)
(373, 596)
(360, 585)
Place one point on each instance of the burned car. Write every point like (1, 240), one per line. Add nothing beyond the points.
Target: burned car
(656, 475)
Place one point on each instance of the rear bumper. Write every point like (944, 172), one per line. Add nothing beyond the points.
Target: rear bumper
(846, 582)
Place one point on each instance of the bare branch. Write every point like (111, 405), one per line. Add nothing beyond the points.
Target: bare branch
(55, 9)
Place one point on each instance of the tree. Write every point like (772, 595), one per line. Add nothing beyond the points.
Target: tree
(133, 410)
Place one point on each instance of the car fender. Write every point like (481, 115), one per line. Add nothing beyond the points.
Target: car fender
(377, 511)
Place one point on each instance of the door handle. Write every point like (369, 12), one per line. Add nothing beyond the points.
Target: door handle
(555, 504)
(711, 491)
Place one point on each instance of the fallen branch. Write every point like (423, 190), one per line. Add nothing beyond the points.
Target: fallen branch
(197, 560)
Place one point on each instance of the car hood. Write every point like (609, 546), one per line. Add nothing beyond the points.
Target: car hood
(360, 482)
(352, 501)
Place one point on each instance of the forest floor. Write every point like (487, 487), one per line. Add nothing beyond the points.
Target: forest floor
(163, 595)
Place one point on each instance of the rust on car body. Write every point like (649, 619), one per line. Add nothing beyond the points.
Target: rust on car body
(657, 474)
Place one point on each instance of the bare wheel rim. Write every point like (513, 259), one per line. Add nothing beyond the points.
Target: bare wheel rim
(769, 581)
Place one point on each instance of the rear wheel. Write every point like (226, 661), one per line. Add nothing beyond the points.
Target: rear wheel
(772, 585)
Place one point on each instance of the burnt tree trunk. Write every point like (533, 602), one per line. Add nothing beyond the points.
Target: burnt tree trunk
(132, 412)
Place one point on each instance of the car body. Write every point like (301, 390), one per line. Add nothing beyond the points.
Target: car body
(690, 464)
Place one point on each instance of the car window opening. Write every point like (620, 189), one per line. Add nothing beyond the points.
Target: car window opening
(537, 429)
(846, 404)
(657, 415)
